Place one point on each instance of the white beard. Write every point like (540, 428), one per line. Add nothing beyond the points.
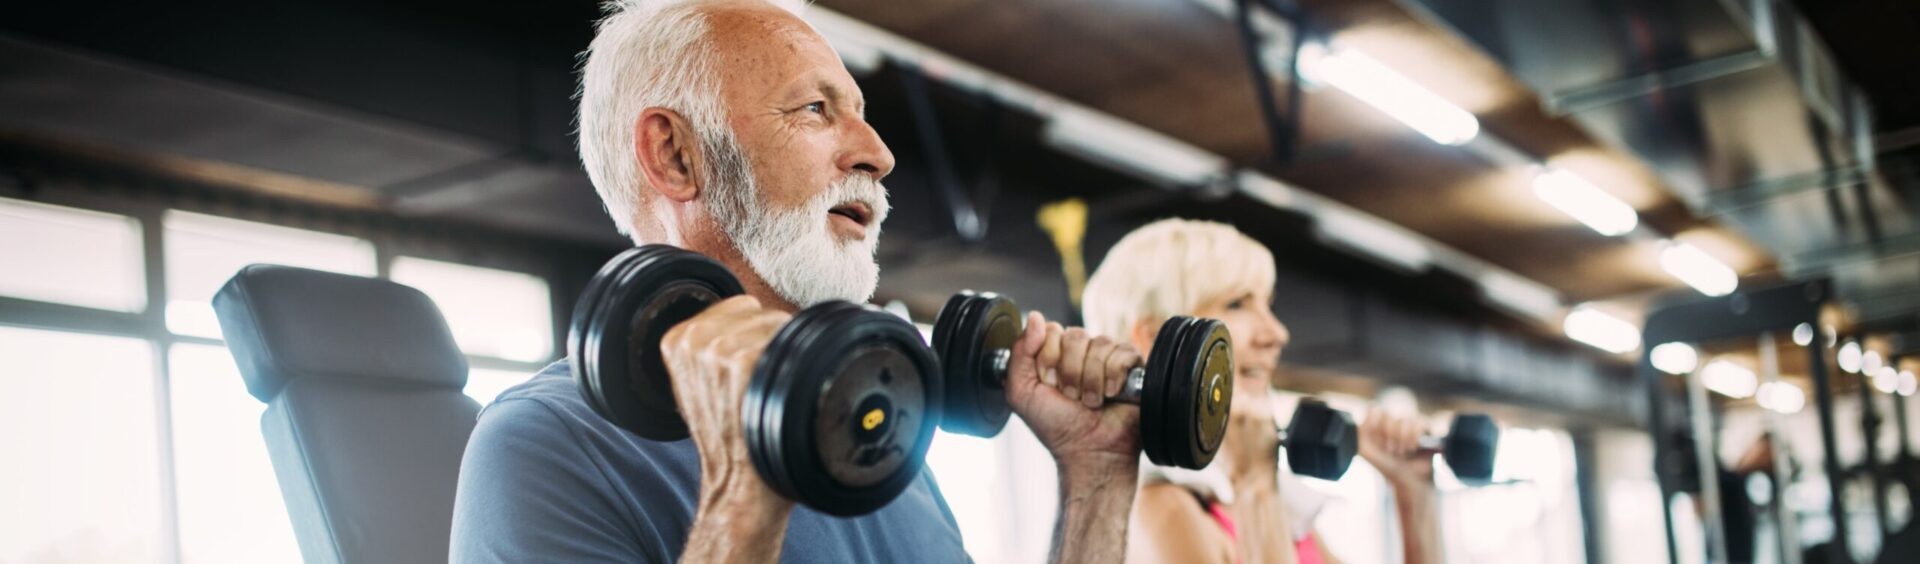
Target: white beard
(795, 250)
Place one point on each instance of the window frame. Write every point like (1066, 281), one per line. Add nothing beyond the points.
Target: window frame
(150, 325)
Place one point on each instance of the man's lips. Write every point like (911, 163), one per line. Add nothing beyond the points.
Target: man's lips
(859, 212)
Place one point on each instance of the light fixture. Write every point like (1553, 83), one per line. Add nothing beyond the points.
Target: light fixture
(1885, 379)
(1907, 384)
(1583, 201)
(1849, 357)
(1602, 331)
(1698, 269)
(1803, 334)
(1781, 397)
(1728, 379)
(1379, 86)
(1675, 358)
(1519, 295)
(1870, 361)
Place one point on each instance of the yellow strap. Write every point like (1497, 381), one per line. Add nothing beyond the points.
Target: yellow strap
(1066, 221)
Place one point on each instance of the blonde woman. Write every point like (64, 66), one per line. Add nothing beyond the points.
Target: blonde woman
(1241, 508)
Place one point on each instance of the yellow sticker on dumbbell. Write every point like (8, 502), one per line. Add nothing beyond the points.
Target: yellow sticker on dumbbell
(873, 419)
(1216, 395)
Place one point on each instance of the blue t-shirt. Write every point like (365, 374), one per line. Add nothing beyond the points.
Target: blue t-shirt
(545, 479)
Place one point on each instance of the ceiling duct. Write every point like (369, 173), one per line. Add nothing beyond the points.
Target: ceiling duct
(1737, 104)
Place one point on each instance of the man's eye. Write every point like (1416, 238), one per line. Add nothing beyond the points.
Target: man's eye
(1237, 303)
(816, 107)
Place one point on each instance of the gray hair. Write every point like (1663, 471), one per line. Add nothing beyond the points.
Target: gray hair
(645, 53)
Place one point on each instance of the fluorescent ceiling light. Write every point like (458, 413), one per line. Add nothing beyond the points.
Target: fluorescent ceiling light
(1377, 239)
(1370, 81)
(1698, 269)
(1906, 385)
(1602, 331)
(1849, 357)
(1728, 379)
(1266, 189)
(1131, 148)
(1781, 397)
(1803, 334)
(1870, 360)
(1519, 295)
(1583, 201)
(1675, 358)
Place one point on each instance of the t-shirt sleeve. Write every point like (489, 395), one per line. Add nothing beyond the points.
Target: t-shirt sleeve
(528, 492)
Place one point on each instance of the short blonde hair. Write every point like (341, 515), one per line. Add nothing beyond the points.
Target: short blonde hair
(1171, 267)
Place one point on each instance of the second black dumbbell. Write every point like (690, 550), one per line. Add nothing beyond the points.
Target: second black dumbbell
(1321, 442)
(1184, 390)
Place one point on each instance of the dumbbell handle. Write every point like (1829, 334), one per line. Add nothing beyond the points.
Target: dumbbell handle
(1427, 444)
(1130, 391)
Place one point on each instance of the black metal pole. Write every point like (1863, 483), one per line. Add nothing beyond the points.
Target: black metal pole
(933, 145)
(1281, 145)
(1657, 429)
(1823, 403)
(1870, 423)
(1588, 486)
(1901, 451)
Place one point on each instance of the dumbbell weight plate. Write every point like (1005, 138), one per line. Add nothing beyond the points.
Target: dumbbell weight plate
(841, 408)
(968, 326)
(1470, 446)
(614, 336)
(1321, 441)
(1188, 392)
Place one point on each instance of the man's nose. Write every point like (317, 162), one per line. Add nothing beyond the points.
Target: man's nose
(865, 151)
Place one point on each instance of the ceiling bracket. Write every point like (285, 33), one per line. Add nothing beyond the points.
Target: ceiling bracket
(1283, 130)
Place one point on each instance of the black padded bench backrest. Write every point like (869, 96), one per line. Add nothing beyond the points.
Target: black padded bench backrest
(365, 419)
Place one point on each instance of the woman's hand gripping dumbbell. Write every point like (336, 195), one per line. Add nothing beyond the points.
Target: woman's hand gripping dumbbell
(1400, 449)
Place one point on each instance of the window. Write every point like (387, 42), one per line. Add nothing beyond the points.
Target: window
(129, 459)
(1531, 512)
(495, 313)
(71, 256)
(229, 501)
(968, 471)
(80, 408)
(484, 384)
(203, 251)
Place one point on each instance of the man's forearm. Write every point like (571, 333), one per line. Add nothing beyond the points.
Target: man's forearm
(1095, 503)
(1418, 506)
(737, 525)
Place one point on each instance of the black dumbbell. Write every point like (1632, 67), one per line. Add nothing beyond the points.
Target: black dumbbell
(840, 408)
(1321, 442)
(1468, 448)
(1184, 390)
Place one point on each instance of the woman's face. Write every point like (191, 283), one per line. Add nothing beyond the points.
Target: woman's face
(1258, 337)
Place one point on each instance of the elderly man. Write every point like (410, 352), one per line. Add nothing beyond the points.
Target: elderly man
(730, 128)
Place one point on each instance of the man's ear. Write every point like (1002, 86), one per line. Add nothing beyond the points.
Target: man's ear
(1143, 333)
(665, 147)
